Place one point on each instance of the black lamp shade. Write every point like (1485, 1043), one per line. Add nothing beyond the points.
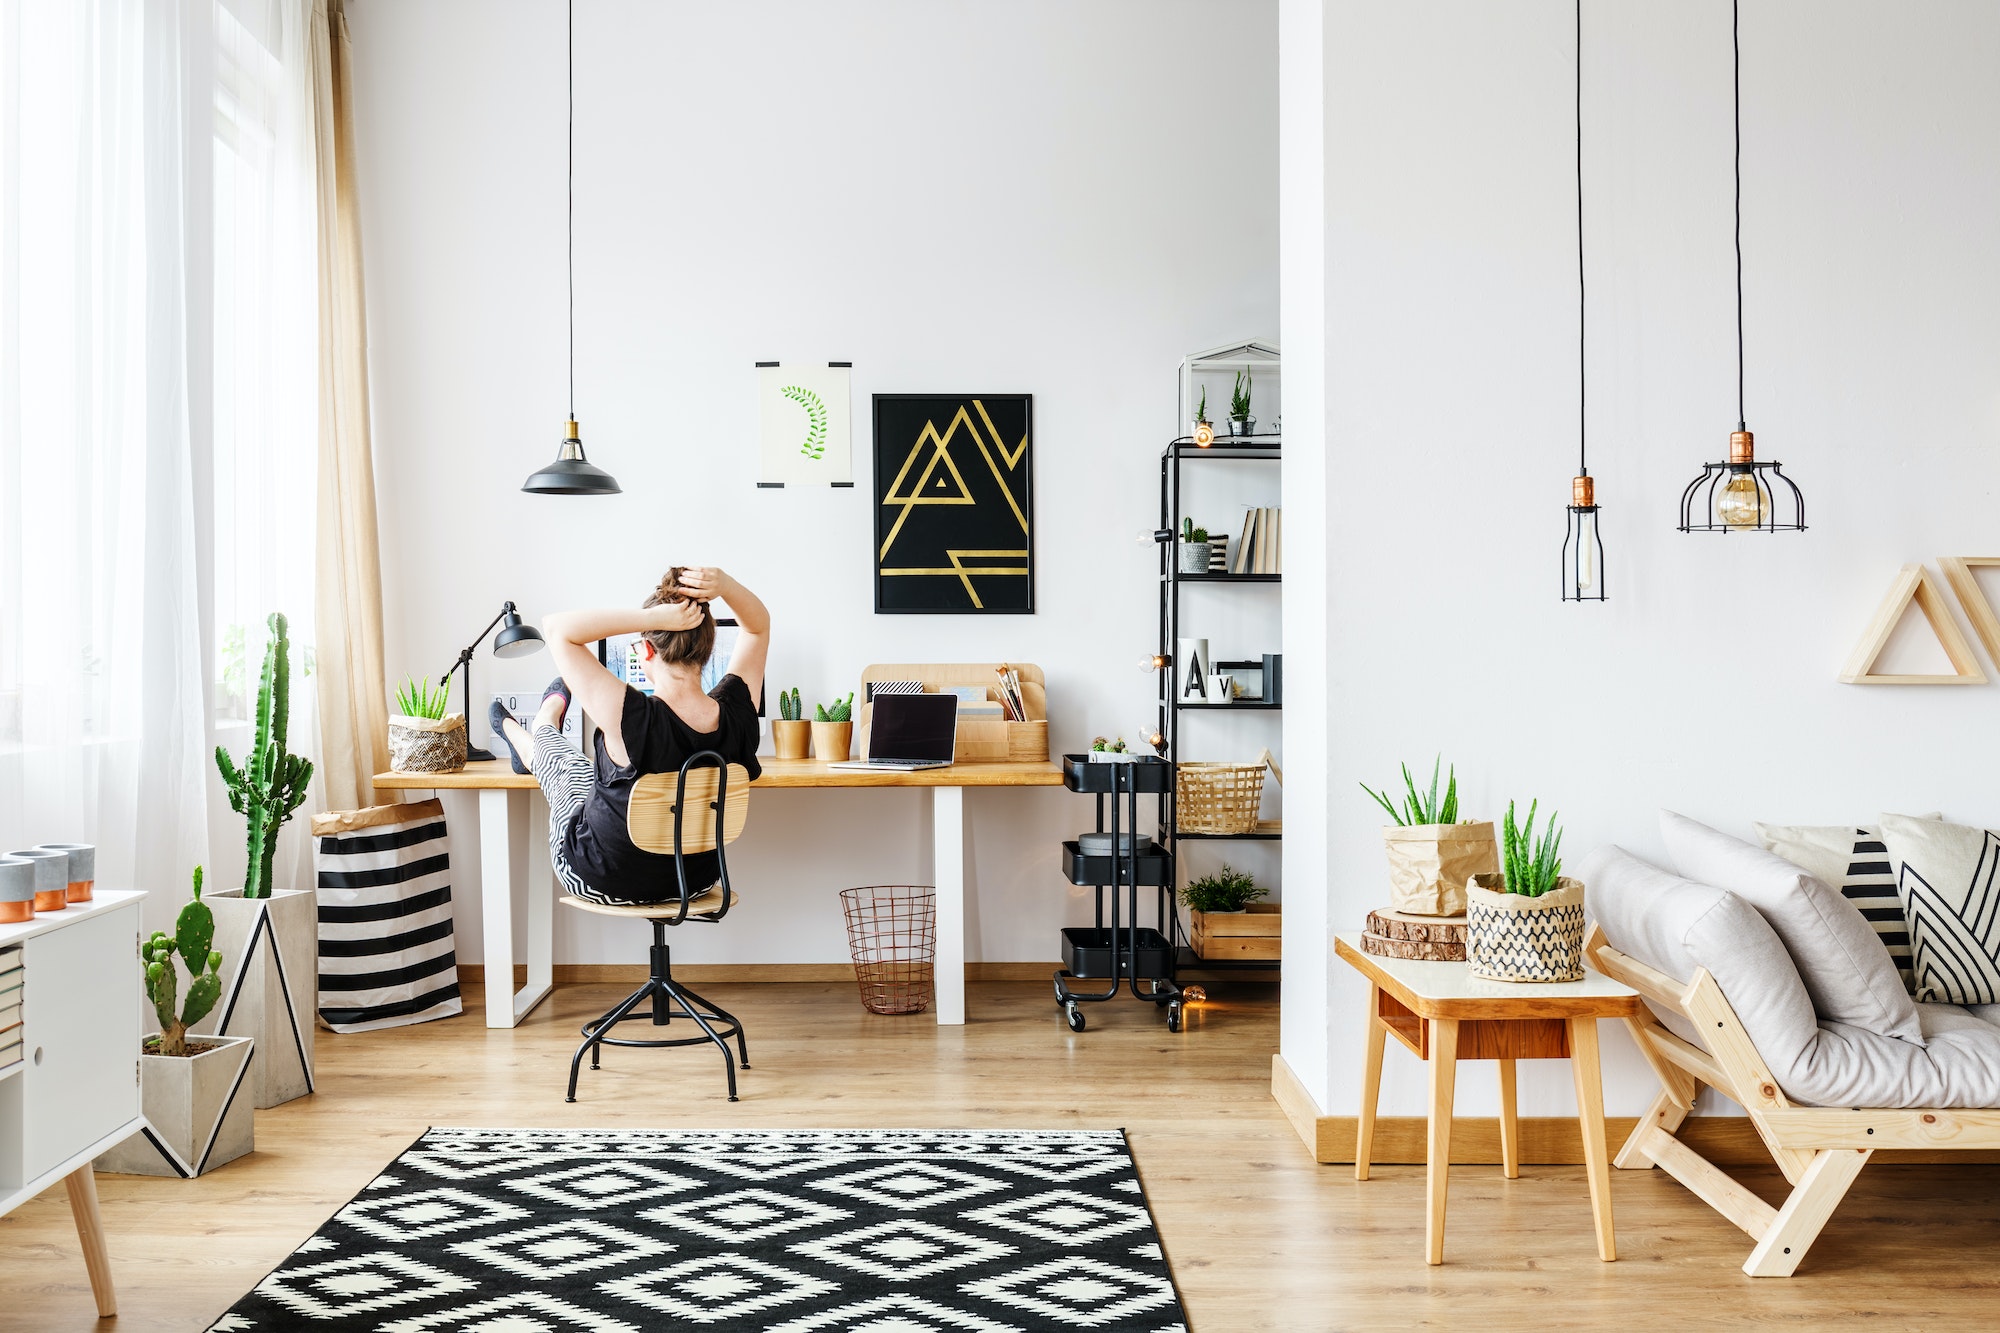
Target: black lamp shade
(516, 639)
(572, 473)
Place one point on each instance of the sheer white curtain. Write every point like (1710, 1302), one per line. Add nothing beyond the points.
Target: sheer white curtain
(149, 405)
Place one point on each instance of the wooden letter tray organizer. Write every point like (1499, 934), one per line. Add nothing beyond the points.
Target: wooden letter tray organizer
(980, 740)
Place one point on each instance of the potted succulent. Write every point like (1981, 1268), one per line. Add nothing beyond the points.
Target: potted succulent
(1526, 922)
(1193, 547)
(791, 736)
(1240, 420)
(833, 730)
(1204, 429)
(1432, 854)
(1226, 891)
(191, 1089)
(271, 990)
(423, 738)
(1110, 752)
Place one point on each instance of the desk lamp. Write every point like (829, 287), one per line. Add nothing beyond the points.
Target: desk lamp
(514, 640)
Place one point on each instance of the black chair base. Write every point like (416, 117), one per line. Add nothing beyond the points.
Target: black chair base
(665, 1000)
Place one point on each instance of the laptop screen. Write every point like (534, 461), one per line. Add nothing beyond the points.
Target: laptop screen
(913, 726)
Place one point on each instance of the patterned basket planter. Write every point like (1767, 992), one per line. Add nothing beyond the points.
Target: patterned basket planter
(1509, 937)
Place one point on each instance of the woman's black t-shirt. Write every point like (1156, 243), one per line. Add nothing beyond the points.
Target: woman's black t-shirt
(599, 847)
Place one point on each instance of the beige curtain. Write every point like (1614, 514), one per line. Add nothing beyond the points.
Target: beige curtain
(353, 694)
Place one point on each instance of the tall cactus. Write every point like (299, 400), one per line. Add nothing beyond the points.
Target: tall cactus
(789, 707)
(194, 931)
(272, 782)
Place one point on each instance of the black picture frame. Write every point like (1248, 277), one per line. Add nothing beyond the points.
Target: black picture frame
(917, 553)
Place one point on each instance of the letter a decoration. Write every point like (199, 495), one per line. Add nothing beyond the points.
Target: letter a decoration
(954, 504)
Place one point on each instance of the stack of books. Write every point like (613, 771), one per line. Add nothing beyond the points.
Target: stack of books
(1257, 550)
(10, 1006)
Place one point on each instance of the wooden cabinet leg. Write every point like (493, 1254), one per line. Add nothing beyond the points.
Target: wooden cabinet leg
(1510, 1124)
(1583, 1067)
(1371, 1083)
(82, 1186)
(1444, 1077)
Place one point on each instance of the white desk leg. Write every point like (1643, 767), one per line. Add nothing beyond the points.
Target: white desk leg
(540, 943)
(496, 905)
(948, 848)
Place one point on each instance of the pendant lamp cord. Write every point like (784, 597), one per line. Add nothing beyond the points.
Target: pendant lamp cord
(1736, 49)
(570, 202)
(1582, 363)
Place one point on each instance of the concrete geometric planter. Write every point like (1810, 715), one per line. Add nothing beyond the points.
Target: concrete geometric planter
(197, 1110)
(270, 986)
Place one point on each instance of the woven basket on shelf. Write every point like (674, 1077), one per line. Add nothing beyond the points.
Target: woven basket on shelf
(1219, 798)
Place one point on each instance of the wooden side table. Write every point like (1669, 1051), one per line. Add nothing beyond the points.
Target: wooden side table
(1444, 1014)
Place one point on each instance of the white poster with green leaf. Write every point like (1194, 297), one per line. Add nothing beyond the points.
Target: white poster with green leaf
(804, 425)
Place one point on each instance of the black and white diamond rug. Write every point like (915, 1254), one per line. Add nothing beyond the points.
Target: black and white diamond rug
(777, 1231)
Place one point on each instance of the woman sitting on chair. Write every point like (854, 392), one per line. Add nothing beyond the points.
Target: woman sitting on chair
(588, 802)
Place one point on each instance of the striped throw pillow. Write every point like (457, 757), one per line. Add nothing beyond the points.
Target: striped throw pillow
(1854, 860)
(386, 953)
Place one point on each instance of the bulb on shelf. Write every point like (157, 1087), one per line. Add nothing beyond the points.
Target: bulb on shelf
(1153, 662)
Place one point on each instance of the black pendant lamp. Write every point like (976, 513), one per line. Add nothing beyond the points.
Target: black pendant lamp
(571, 473)
(1583, 548)
(1743, 494)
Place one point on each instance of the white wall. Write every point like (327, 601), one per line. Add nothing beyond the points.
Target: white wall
(1707, 683)
(1049, 198)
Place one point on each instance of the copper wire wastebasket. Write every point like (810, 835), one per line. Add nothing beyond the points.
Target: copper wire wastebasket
(892, 934)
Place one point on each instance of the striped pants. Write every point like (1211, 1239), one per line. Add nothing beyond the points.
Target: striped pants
(567, 780)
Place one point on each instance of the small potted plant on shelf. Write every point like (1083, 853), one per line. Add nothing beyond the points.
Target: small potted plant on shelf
(1193, 547)
(423, 738)
(1240, 420)
(833, 730)
(191, 1089)
(1431, 854)
(1222, 922)
(791, 736)
(1204, 429)
(1526, 922)
(1110, 752)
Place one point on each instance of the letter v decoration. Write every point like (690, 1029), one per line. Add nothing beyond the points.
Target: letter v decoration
(1958, 573)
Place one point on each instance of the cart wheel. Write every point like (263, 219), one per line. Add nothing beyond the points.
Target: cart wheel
(1075, 1017)
(1174, 1016)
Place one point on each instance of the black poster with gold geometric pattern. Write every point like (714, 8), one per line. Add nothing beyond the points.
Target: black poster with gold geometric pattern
(954, 504)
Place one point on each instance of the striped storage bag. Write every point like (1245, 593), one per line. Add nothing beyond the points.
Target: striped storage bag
(386, 956)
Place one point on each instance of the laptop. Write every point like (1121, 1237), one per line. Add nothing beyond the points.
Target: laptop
(908, 732)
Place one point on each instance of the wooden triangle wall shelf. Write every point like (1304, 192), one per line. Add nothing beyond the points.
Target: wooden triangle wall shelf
(1958, 573)
(1915, 584)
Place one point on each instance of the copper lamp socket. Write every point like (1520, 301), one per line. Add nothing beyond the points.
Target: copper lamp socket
(1583, 491)
(1742, 447)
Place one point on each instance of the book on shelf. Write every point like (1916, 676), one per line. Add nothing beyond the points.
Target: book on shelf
(10, 1017)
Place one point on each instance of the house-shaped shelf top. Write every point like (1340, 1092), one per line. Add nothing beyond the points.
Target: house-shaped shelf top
(1215, 370)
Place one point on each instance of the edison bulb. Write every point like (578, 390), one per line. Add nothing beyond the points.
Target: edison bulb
(1586, 554)
(1742, 503)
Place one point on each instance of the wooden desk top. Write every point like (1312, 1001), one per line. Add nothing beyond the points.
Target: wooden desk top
(497, 774)
(1449, 990)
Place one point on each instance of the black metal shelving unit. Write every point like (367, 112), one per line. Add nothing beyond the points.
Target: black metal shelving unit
(1225, 449)
(1123, 953)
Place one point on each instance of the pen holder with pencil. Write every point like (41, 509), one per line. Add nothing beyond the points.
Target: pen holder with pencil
(986, 740)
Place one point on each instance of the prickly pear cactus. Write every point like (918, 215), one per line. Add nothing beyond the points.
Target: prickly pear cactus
(194, 930)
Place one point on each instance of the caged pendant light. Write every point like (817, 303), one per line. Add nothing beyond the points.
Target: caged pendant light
(1583, 548)
(1742, 494)
(571, 473)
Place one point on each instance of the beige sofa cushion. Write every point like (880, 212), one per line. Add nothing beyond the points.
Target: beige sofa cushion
(1846, 970)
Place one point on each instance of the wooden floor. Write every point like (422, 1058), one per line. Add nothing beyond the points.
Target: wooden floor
(1259, 1237)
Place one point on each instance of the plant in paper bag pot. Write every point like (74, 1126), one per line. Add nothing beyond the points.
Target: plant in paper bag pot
(1525, 923)
(423, 738)
(1431, 854)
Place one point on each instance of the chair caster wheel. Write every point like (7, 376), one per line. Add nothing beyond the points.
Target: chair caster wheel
(1174, 1016)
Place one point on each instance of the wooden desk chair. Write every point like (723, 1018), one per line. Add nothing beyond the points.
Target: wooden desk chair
(701, 808)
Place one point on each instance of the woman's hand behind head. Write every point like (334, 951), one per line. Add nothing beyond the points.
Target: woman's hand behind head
(704, 583)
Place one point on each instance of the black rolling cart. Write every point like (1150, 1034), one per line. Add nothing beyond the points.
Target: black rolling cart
(1118, 861)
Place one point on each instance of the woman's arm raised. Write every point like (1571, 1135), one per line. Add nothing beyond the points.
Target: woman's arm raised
(596, 690)
(753, 618)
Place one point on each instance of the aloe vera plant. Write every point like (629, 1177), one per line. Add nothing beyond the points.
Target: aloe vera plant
(419, 698)
(842, 710)
(1201, 409)
(1421, 807)
(194, 931)
(1529, 866)
(1239, 399)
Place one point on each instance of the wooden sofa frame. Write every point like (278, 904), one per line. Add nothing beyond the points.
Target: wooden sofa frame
(1820, 1149)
